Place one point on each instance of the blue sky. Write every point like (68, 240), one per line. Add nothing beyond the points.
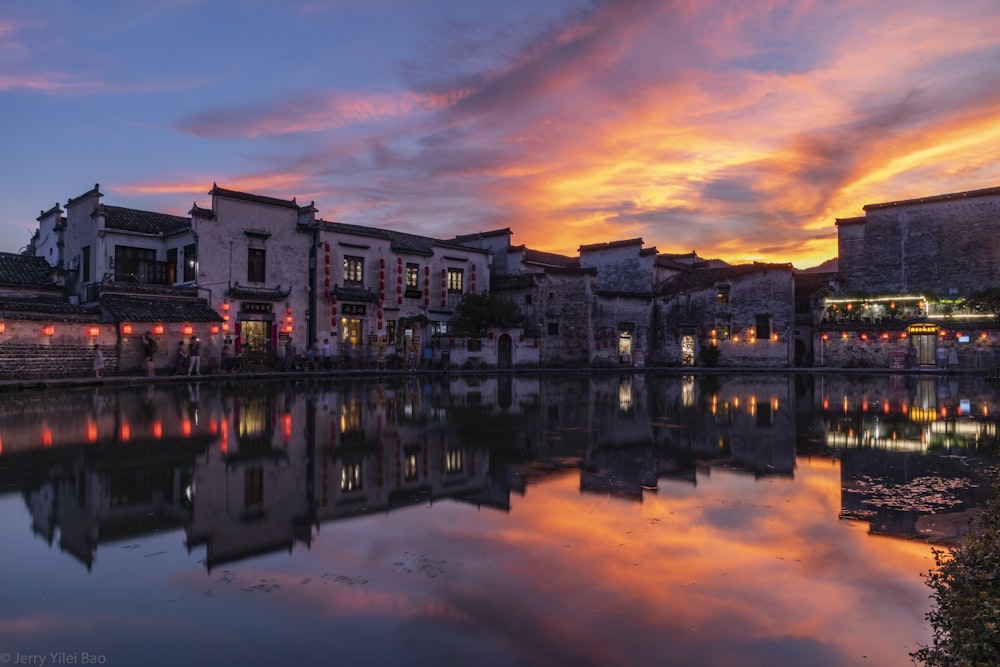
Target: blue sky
(737, 129)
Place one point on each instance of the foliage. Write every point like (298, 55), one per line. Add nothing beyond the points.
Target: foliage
(478, 312)
(966, 587)
(985, 301)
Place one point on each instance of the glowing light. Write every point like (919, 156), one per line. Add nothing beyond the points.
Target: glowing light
(126, 328)
(158, 329)
(186, 428)
(125, 432)
(94, 332)
(49, 330)
(157, 429)
(91, 431)
(187, 329)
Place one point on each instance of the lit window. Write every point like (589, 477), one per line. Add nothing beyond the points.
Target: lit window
(354, 270)
(722, 297)
(412, 276)
(456, 280)
(350, 476)
(453, 460)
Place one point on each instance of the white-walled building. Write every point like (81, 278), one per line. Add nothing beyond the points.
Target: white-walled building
(253, 258)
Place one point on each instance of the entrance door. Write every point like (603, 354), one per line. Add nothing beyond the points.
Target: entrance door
(505, 351)
(350, 344)
(625, 348)
(687, 350)
(256, 339)
(926, 346)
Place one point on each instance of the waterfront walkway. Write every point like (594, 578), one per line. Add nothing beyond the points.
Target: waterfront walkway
(16, 384)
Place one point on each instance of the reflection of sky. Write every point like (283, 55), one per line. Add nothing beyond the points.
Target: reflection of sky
(731, 571)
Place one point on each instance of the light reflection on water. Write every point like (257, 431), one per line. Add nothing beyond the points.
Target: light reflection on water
(604, 520)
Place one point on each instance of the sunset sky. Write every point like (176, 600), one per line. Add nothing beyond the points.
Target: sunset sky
(738, 129)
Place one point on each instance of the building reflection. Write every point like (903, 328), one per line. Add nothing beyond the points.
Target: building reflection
(253, 469)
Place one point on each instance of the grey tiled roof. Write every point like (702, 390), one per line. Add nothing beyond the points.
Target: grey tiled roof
(399, 241)
(257, 199)
(25, 270)
(550, 259)
(47, 309)
(121, 308)
(143, 222)
(237, 291)
(705, 278)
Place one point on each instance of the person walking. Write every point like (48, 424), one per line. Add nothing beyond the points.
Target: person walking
(148, 350)
(194, 349)
(98, 360)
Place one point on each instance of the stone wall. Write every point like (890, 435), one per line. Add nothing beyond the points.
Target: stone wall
(28, 352)
(937, 247)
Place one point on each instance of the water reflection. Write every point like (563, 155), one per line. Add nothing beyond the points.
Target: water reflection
(716, 490)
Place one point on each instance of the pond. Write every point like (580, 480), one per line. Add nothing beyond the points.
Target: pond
(483, 519)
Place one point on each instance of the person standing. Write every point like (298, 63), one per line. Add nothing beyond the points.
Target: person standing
(289, 353)
(98, 360)
(148, 350)
(194, 349)
(183, 359)
(325, 353)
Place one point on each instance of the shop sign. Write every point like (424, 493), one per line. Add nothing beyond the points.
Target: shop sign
(353, 309)
(255, 307)
(918, 328)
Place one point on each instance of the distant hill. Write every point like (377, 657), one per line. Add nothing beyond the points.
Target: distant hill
(829, 266)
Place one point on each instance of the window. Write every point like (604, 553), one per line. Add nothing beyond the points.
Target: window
(253, 487)
(172, 266)
(350, 476)
(354, 270)
(723, 330)
(85, 264)
(191, 264)
(412, 276)
(410, 469)
(553, 328)
(722, 296)
(139, 265)
(453, 460)
(256, 265)
(763, 327)
(456, 278)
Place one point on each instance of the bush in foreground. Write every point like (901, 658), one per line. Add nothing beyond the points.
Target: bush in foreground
(966, 587)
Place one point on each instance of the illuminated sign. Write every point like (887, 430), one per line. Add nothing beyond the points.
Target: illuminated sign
(922, 328)
(353, 309)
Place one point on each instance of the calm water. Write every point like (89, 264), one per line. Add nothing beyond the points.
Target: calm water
(601, 520)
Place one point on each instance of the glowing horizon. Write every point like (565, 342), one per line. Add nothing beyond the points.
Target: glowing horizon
(738, 131)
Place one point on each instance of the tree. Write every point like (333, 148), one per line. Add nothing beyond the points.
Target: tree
(966, 585)
(478, 312)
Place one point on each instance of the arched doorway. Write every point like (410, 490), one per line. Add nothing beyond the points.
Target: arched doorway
(505, 351)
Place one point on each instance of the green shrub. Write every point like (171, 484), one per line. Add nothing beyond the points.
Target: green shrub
(966, 587)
